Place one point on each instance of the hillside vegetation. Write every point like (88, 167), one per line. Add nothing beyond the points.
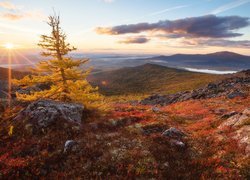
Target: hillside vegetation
(149, 78)
(15, 74)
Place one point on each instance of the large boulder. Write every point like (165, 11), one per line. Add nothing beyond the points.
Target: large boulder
(240, 123)
(43, 113)
(237, 120)
(242, 135)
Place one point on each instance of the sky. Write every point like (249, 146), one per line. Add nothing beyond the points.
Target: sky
(131, 26)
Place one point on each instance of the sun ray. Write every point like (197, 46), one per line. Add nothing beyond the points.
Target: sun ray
(25, 58)
(9, 77)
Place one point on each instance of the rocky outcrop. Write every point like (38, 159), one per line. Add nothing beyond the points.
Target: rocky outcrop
(237, 86)
(237, 120)
(43, 113)
(242, 136)
(240, 122)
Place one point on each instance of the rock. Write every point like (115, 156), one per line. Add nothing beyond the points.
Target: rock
(246, 112)
(211, 86)
(134, 103)
(43, 113)
(166, 164)
(235, 94)
(155, 109)
(177, 143)
(70, 146)
(243, 120)
(232, 87)
(173, 133)
(37, 87)
(237, 120)
(242, 135)
(228, 115)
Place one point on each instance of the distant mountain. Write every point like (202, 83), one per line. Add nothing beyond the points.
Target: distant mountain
(149, 78)
(217, 61)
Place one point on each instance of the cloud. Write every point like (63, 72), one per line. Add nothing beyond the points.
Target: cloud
(215, 42)
(225, 43)
(8, 5)
(203, 26)
(135, 40)
(13, 16)
(230, 6)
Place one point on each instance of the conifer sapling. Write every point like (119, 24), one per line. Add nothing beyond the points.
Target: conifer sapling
(67, 82)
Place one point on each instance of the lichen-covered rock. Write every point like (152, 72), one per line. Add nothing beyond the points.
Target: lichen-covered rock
(173, 133)
(43, 113)
(237, 120)
(235, 94)
(246, 112)
(242, 135)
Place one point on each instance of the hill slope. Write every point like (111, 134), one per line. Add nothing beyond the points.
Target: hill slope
(149, 78)
(15, 74)
(216, 61)
(4, 78)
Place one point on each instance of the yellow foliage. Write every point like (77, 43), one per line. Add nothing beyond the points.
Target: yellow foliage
(11, 130)
(63, 74)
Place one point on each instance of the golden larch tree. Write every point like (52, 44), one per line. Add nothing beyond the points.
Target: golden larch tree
(64, 75)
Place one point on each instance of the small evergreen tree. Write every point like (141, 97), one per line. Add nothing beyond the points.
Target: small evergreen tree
(67, 82)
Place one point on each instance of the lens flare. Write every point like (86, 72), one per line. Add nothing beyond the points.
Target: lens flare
(9, 46)
(9, 77)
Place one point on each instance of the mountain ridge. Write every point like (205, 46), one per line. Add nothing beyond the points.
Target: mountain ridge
(149, 78)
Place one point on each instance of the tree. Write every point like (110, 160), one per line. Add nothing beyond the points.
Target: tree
(67, 81)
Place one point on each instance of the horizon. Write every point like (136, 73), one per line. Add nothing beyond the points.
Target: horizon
(106, 27)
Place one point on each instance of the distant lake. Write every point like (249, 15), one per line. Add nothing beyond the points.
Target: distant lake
(208, 71)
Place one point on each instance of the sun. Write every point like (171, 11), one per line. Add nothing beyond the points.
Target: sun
(9, 46)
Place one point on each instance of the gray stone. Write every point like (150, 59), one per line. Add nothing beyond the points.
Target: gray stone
(231, 87)
(173, 133)
(70, 146)
(235, 94)
(155, 109)
(246, 112)
(43, 113)
(242, 135)
(177, 143)
(236, 120)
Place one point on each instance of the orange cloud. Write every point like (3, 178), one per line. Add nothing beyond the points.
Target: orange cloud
(8, 5)
(12, 16)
